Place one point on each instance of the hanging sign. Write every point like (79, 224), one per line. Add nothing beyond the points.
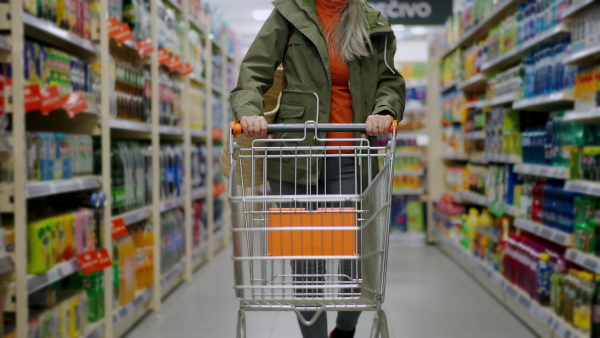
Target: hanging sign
(51, 100)
(163, 57)
(119, 229)
(144, 47)
(94, 261)
(418, 12)
(75, 103)
(33, 98)
(186, 69)
(124, 35)
(174, 63)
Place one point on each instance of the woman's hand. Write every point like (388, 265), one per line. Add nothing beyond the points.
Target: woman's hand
(379, 125)
(254, 126)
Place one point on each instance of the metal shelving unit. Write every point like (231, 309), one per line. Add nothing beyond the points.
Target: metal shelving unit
(99, 123)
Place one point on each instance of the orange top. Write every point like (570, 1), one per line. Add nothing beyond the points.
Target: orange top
(329, 12)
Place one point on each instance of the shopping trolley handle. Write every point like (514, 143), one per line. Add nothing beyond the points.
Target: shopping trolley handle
(311, 126)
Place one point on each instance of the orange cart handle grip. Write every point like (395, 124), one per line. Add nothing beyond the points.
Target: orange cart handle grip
(236, 128)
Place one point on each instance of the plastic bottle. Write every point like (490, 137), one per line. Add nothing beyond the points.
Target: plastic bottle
(485, 219)
(472, 224)
(544, 273)
(557, 296)
(595, 322)
(536, 206)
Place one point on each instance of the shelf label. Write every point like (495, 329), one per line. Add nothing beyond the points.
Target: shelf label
(51, 100)
(75, 103)
(186, 69)
(119, 229)
(125, 34)
(114, 28)
(163, 57)
(174, 63)
(94, 261)
(33, 98)
(144, 47)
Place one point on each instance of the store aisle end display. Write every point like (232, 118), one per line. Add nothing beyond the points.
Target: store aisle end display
(110, 194)
(520, 107)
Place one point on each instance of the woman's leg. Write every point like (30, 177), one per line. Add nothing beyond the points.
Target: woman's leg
(339, 177)
(304, 267)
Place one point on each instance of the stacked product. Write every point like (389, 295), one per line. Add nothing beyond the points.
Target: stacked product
(73, 16)
(172, 245)
(131, 176)
(171, 168)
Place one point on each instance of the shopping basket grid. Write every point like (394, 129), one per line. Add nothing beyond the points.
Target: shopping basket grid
(312, 250)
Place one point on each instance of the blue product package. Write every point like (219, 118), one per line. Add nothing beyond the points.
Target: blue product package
(66, 154)
(58, 155)
(46, 156)
(42, 66)
(399, 217)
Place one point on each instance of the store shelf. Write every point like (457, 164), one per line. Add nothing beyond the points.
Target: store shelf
(198, 135)
(474, 83)
(478, 160)
(170, 280)
(542, 320)
(474, 198)
(171, 204)
(197, 255)
(449, 86)
(174, 4)
(585, 57)
(401, 154)
(4, 45)
(409, 172)
(544, 103)
(58, 272)
(170, 131)
(195, 24)
(455, 157)
(544, 231)
(126, 315)
(198, 193)
(592, 115)
(542, 171)
(473, 104)
(135, 216)
(576, 7)
(94, 330)
(482, 28)
(52, 35)
(516, 55)
(583, 259)
(408, 192)
(474, 135)
(583, 187)
(130, 125)
(500, 100)
(502, 158)
(49, 188)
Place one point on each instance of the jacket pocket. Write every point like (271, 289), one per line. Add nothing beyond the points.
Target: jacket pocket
(291, 111)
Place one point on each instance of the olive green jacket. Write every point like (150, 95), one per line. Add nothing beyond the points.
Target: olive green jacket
(375, 85)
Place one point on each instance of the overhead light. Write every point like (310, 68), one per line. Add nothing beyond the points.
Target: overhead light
(398, 28)
(418, 30)
(261, 14)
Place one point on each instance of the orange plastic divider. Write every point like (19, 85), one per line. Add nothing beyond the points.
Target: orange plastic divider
(312, 242)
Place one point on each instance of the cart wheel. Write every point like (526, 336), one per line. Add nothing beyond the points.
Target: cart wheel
(241, 325)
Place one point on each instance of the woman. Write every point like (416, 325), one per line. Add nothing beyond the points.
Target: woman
(337, 54)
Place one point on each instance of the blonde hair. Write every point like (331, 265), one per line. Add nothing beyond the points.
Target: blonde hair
(351, 35)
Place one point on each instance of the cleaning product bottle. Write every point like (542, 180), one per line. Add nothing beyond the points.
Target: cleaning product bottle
(472, 223)
(557, 297)
(596, 310)
(585, 302)
(485, 220)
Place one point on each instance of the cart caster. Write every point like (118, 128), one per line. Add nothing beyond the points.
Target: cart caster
(380, 326)
(241, 325)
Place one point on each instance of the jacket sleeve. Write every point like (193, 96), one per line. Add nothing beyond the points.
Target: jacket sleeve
(258, 67)
(391, 89)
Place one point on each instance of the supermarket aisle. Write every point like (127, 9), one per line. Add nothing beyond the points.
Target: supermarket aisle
(428, 295)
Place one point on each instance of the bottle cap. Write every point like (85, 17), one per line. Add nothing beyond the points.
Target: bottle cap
(544, 256)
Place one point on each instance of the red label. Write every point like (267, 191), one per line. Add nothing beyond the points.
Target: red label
(33, 98)
(174, 63)
(186, 69)
(75, 103)
(125, 34)
(51, 100)
(163, 57)
(217, 134)
(144, 47)
(114, 28)
(94, 261)
(119, 229)
(219, 188)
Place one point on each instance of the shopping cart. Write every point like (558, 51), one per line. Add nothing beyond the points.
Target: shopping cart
(311, 252)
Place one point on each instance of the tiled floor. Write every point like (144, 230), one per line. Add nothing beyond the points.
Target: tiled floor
(428, 295)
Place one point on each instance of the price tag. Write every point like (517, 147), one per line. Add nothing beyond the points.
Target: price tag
(163, 57)
(104, 261)
(119, 229)
(53, 275)
(546, 233)
(591, 264)
(559, 238)
(33, 98)
(94, 261)
(174, 63)
(51, 100)
(144, 47)
(75, 103)
(124, 35)
(217, 133)
(186, 69)
(114, 27)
